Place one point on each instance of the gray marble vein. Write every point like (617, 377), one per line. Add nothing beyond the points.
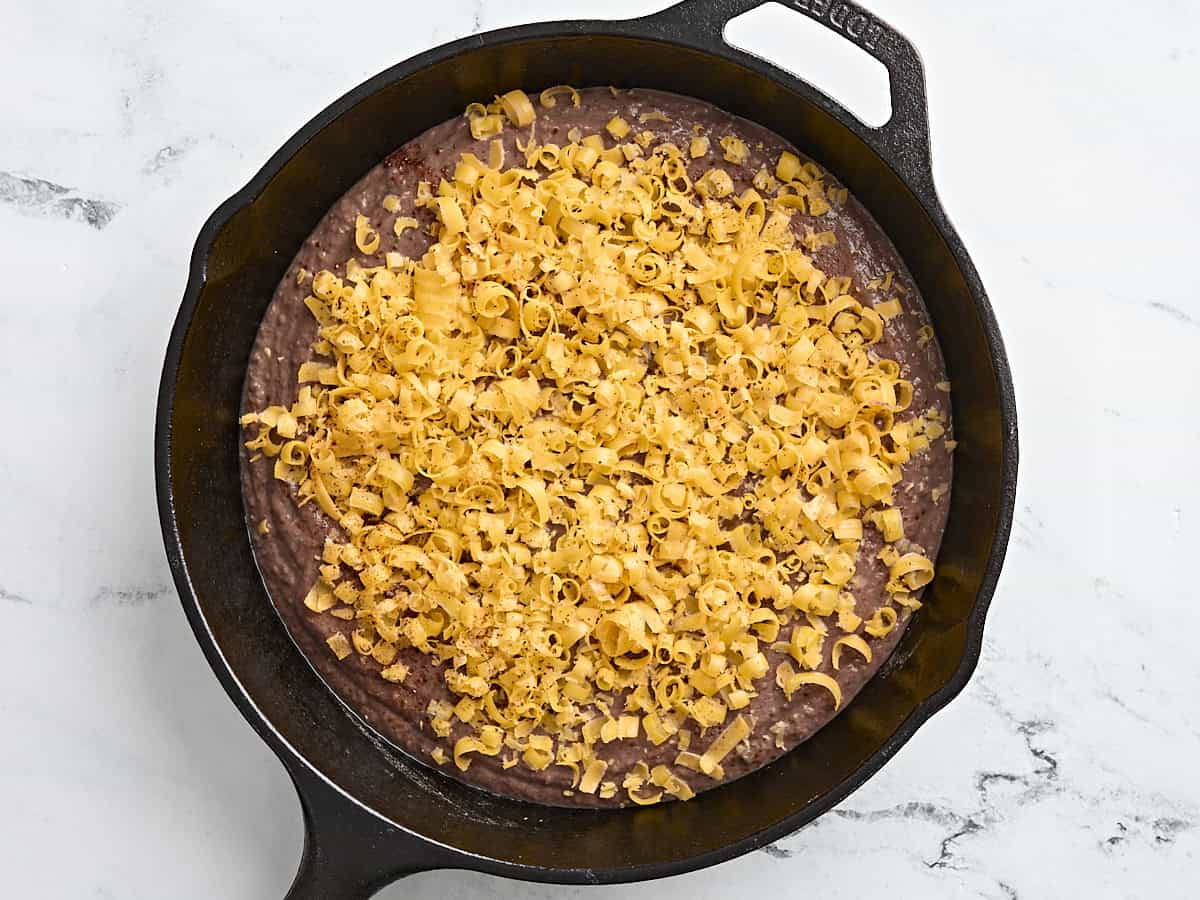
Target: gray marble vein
(1173, 311)
(1128, 709)
(128, 596)
(167, 157)
(12, 597)
(1028, 528)
(777, 851)
(38, 197)
(913, 810)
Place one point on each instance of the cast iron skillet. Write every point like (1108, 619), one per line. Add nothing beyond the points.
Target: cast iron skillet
(371, 815)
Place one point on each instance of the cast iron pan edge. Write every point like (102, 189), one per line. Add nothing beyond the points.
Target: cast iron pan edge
(349, 850)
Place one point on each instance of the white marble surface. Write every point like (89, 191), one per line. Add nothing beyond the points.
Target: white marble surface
(1065, 137)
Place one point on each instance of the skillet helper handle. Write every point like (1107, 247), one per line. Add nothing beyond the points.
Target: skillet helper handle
(904, 138)
(349, 854)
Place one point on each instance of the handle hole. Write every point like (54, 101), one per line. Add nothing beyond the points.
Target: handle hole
(809, 50)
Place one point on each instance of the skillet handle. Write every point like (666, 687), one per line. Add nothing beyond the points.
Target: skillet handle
(349, 854)
(904, 139)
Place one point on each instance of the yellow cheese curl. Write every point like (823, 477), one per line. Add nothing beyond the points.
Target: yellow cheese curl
(614, 433)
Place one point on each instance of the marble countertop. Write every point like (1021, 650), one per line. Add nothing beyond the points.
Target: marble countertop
(1065, 145)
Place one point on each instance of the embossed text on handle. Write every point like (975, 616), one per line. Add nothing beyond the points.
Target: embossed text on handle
(857, 25)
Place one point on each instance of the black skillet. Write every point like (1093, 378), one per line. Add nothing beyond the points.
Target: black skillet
(372, 815)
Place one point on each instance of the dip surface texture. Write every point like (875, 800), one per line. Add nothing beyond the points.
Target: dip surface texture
(289, 551)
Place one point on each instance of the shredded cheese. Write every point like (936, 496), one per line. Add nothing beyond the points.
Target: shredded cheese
(854, 642)
(549, 97)
(339, 645)
(517, 108)
(733, 735)
(735, 149)
(611, 434)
